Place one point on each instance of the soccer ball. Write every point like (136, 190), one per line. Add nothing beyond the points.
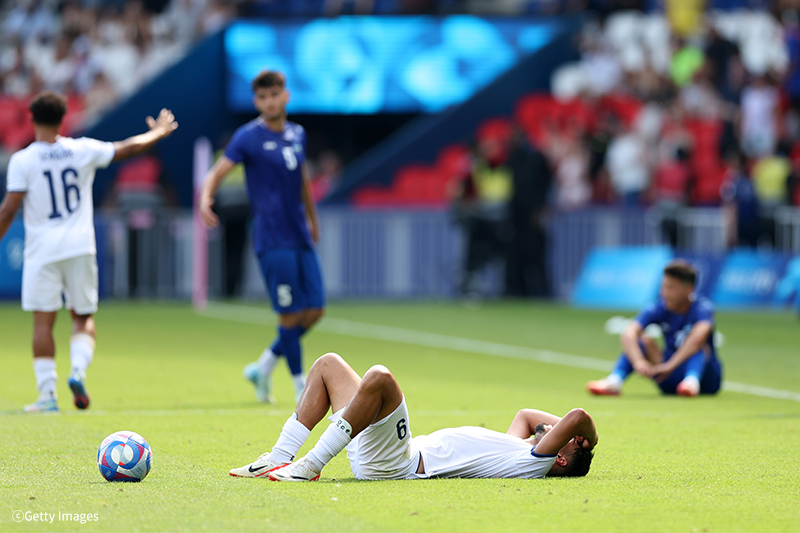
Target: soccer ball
(124, 456)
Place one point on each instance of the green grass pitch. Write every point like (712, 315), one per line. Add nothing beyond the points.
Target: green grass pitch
(727, 463)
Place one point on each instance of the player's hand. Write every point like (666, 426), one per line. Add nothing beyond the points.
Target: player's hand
(210, 218)
(164, 124)
(643, 368)
(662, 371)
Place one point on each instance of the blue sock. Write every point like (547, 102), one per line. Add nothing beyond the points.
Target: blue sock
(276, 346)
(622, 367)
(289, 339)
(695, 365)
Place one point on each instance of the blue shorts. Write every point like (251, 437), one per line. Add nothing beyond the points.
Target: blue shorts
(294, 279)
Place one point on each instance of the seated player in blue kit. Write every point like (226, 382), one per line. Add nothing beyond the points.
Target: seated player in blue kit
(688, 365)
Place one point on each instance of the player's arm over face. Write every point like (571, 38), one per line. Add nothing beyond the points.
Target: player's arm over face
(8, 210)
(526, 420)
(578, 424)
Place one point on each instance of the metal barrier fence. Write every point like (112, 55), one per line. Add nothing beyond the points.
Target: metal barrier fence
(391, 254)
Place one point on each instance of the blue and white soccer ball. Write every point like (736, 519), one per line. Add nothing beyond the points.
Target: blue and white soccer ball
(124, 456)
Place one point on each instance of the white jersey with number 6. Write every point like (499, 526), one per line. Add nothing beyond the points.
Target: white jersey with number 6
(57, 181)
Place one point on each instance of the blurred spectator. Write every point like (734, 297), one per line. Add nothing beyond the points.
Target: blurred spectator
(99, 99)
(29, 19)
(526, 264)
(482, 203)
(771, 180)
(670, 191)
(686, 61)
(571, 161)
(326, 177)
(627, 166)
(759, 127)
(719, 52)
(685, 16)
(232, 207)
(791, 31)
(741, 203)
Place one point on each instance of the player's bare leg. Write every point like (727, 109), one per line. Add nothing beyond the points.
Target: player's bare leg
(332, 383)
(82, 345)
(310, 317)
(44, 363)
(377, 397)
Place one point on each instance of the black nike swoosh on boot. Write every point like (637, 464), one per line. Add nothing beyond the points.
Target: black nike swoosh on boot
(251, 469)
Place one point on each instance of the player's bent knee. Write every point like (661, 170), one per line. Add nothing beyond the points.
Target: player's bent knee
(378, 376)
(330, 359)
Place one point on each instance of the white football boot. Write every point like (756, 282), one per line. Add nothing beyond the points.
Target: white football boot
(42, 406)
(258, 468)
(300, 470)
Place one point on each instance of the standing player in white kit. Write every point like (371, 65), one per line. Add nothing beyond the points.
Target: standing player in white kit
(53, 178)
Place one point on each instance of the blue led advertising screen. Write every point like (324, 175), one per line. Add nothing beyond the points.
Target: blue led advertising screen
(378, 64)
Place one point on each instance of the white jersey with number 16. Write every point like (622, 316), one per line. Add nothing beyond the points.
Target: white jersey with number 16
(57, 181)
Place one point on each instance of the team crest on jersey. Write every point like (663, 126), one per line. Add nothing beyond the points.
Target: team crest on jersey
(288, 135)
(298, 148)
(270, 145)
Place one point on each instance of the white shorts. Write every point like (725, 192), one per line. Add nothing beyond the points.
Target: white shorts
(45, 287)
(384, 450)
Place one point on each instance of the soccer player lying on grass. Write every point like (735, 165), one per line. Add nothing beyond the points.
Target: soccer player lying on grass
(688, 365)
(370, 420)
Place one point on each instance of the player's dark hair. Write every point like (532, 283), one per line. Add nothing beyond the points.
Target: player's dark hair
(579, 464)
(48, 108)
(681, 270)
(267, 79)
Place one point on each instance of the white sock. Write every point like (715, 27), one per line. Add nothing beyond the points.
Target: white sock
(299, 381)
(44, 368)
(267, 362)
(332, 441)
(692, 382)
(292, 437)
(81, 353)
(614, 381)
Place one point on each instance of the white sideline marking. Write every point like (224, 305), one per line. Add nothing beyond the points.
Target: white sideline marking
(252, 315)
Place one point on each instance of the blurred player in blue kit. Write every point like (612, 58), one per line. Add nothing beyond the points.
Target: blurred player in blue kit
(286, 227)
(688, 365)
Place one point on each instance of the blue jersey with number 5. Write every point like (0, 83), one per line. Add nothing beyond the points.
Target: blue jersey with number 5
(273, 168)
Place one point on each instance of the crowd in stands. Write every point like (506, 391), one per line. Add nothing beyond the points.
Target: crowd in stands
(98, 52)
(662, 112)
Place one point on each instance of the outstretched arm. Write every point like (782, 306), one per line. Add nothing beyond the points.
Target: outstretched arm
(577, 423)
(211, 183)
(8, 210)
(695, 340)
(311, 208)
(160, 128)
(526, 420)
